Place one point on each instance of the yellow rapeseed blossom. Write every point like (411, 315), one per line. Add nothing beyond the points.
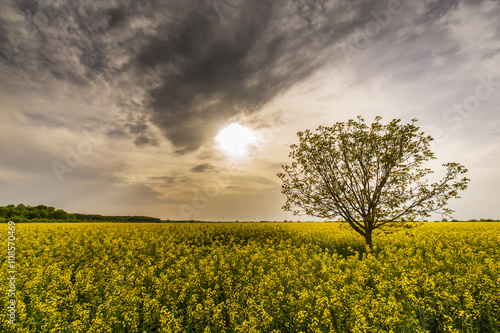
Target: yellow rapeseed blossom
(254, 277)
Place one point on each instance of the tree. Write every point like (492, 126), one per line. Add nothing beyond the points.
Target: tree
(369, 176)
(59, 214)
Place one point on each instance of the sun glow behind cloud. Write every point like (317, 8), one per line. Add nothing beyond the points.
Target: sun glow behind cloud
(235, 139)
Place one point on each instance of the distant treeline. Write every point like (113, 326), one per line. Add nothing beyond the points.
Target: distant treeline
(41, 213)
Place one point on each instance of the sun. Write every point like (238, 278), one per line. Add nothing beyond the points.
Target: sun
(235, 139)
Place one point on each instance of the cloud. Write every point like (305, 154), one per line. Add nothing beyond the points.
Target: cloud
(167, 75)
(202, 167)
(217, 59)
(235, 66)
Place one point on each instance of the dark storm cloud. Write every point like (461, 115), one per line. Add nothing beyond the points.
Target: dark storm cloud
(221, 58)
(50, 35)
(237, 61)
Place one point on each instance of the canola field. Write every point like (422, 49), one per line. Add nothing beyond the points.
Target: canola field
(252, 277)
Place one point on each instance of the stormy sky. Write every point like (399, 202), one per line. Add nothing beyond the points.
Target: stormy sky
(113, 107)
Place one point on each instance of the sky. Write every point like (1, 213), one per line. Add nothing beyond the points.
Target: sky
(118, 107)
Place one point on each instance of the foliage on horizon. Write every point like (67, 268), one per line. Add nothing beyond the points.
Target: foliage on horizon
(23, 213)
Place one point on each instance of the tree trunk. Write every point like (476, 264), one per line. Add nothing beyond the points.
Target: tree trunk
(368, 239)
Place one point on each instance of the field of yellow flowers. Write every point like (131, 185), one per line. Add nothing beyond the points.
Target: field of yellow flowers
(253, 277)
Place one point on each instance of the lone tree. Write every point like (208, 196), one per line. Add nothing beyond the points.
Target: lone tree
(371, 176)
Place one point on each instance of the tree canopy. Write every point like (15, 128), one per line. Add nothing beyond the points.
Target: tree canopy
(371, 176)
